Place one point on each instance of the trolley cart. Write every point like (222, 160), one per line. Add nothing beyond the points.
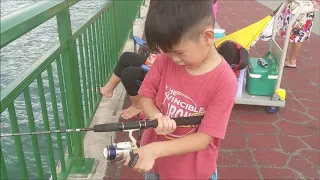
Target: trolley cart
(277, 100)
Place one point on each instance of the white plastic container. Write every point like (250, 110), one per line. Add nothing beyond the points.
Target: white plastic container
(219, 33)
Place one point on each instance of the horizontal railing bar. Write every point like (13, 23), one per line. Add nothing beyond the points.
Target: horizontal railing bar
(72, 2)
(18, 23)
(79, 30)
(16, 87)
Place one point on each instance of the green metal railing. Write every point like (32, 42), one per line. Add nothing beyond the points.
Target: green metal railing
(67, 78)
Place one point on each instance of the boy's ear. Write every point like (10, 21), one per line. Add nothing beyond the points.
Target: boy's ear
(208, 34)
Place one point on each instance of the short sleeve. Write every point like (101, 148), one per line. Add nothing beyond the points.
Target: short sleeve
(150, 84)
(218, 112)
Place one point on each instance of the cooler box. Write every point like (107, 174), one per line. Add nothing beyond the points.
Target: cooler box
(262, 75)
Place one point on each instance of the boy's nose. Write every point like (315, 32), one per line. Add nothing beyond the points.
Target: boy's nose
(175, 59)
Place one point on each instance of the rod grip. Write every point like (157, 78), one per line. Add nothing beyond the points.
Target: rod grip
(192, 120)
(106, 127)
(111, 127)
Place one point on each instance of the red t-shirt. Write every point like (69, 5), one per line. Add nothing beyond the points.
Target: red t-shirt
(177, 93)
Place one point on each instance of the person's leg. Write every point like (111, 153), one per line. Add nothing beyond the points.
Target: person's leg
(132, 110)
(129, 78)
(107, 89)
(299, 34)
(292, 60)
(126, 59)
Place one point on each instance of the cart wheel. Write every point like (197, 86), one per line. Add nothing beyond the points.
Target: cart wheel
(273, 109)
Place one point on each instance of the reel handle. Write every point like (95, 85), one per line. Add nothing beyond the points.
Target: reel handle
(133, 159)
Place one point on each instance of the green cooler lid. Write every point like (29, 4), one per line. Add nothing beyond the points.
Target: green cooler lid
(255, 69)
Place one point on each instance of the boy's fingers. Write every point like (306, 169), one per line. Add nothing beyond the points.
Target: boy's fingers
(127, 161)
(165, 125)
(174, 125)
(159, 115)
(135, 169)
(140, 170)
(160, 125)
(170, 126)
(139, 167)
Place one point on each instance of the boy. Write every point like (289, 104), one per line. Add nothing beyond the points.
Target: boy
(188, 78)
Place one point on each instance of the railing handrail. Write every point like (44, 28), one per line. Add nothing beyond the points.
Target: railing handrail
(81, 60)
(7, 94)
(13, 25)
(80, 29)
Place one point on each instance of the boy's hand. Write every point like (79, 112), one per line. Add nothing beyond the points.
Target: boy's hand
(147, 157)
(165, 125)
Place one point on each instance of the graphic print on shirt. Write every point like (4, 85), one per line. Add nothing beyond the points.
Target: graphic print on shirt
(176, 104)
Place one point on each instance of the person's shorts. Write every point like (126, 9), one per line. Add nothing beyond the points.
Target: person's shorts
(154, 176)
(301, 30)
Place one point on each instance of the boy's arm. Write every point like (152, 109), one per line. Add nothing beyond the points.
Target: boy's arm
(213, 125)
(149, 88)
(149, 108)
(187, 144)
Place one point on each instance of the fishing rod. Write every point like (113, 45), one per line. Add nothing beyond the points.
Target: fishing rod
(46, 132)
(111, 127)
(119, 152)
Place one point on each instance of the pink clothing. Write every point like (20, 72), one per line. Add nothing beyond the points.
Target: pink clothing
(177, 93)
(215, 10)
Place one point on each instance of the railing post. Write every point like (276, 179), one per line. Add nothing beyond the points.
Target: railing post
(116, 23)
(3, 174)
(139, 10)
(73, 93)
(134, 16)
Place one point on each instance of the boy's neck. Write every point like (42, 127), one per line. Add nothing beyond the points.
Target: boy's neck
(211, 61)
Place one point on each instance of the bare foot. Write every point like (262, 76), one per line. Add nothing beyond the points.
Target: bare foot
(288, 63)
(130, 112)
(106, 91)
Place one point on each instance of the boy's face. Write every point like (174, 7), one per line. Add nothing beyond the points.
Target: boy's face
(191, 53)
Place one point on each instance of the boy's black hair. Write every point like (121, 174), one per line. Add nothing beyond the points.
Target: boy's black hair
(169, 20)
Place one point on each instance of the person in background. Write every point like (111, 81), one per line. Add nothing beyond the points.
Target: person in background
(215, 8)
(301, 30)
(128, 70)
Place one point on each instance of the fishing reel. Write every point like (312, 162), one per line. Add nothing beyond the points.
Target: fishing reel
(118, 152)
